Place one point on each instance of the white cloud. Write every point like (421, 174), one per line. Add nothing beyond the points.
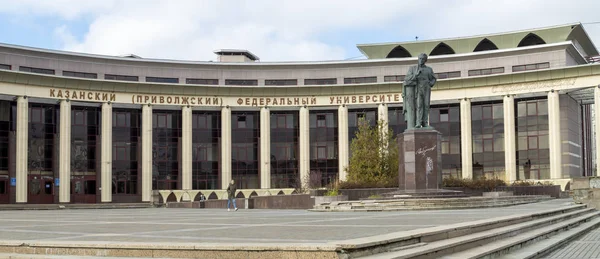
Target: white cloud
(286, 30)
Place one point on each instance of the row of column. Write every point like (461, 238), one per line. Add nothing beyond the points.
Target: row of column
(304, 144)
(510, 160)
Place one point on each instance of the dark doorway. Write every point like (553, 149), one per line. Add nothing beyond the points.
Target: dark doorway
(83, 189)
(4, 181)
(41, 189)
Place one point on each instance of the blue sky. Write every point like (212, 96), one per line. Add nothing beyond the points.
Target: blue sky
(275, 30)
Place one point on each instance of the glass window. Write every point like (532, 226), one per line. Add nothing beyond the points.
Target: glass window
(321, 120)
(443, 115)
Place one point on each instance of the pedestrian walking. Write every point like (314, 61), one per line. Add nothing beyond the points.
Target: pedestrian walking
(231, 196)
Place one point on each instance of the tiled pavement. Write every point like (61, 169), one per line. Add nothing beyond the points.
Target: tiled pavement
(244, 226)
(586, 247)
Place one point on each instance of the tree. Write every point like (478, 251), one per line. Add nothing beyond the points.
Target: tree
(374, 160)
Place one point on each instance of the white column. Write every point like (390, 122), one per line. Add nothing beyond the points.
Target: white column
(466, 139)
(597, 126)
(64, 161)
(225, 147)
(106, 153)
(186, 148)
(382, 111)
(554, 140)
(146, 153)
(510, 141)
(304, 146)
(343, 146)
(22, 149)
(265, 148)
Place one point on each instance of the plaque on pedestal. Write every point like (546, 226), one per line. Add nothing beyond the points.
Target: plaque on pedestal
(420, 160)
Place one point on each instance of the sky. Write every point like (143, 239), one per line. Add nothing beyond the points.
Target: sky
(274, 30)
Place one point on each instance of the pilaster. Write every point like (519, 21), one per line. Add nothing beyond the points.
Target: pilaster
(64, 162)
(186, 148)
(466, 139)
(304, 146)
(22, 149)
(265, 148)
(146, 153)
(510, 141)
(554, 139)
(225, 147)
(106, 153)
(343, 146)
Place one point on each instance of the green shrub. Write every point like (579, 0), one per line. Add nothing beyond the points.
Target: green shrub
(332, 192)
(476, 184)
(375, 196)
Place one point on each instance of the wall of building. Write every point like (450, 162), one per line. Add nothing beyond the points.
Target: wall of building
(571, 130)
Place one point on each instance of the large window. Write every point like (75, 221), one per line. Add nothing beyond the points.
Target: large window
(169, 80)
(5, 128)
(202, 81)
(241, 82)
(84, 131)
(284, 150)
(533, 153)
(206, 133)
(166, 133)
(37, 70)
(323, 148)
(121, 77)
(281, 82)
(43, 126)
(446, 120)
(126, 145)
(320, 81)
(488, 140)
(360, 80)
(80, 74)
(528, 67)
(245, 133)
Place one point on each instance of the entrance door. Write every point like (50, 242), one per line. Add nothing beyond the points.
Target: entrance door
(83, 189)
(41, 189)
(4, 185)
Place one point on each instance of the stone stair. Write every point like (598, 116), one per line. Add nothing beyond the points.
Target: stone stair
(398, 204)
(519, 237)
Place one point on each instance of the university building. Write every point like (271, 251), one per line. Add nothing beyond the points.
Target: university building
(83, 128)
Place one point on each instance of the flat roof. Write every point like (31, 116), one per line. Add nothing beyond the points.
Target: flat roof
(244, 52)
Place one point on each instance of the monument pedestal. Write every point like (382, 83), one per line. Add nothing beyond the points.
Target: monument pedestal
(420, 159)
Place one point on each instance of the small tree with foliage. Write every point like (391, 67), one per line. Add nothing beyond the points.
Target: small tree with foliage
(374, 160)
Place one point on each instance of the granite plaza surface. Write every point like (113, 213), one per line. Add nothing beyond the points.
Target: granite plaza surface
(160, 225)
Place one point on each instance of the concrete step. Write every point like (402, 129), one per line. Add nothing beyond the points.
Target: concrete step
(508, 245)
(401, 204)
(388, 242)
(437, 249)
(549, 245)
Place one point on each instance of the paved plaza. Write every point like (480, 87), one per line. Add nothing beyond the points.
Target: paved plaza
(223, 227)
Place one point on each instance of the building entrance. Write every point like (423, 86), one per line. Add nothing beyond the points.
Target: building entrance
(4, 189)
(41, 189)
(83, 189)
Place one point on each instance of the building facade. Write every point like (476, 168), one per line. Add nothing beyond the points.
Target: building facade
(82, 128)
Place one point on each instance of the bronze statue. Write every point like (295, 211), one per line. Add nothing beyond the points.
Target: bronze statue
(416, 93)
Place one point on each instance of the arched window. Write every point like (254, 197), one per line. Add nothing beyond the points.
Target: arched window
(484, 45)
(530, 40)
(399, 52)
(441, 49)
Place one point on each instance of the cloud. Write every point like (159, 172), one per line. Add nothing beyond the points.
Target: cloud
(286, 30)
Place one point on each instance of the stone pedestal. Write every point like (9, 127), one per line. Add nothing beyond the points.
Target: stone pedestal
(420, 159)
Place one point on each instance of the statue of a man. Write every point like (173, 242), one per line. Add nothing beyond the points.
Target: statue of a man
(416, 93)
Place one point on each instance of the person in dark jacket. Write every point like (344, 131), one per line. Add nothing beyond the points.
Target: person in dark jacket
(231, 195)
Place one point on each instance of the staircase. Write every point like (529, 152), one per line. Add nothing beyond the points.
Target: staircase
(399, 204)
(509, 237)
